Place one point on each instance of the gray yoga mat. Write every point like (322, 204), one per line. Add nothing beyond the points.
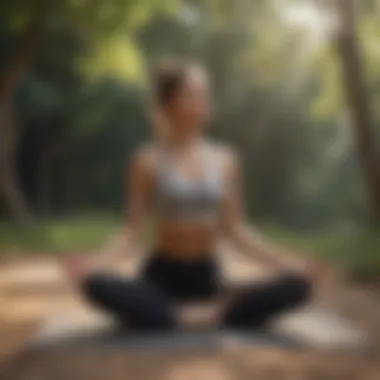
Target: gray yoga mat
(111, 338)
(194, 340)
(76, 331)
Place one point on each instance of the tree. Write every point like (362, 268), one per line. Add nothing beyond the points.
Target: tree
(349, 52)
(28, 21)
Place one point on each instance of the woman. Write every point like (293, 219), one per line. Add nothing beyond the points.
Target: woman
(193, 187)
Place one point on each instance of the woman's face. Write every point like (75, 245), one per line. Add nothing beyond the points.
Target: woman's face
(191, 104)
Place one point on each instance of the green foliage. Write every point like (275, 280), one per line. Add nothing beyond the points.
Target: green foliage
(82, 108)
(107, 26)
(57, 236)
(355, 252)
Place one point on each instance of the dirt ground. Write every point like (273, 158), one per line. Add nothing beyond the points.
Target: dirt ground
(27, 294)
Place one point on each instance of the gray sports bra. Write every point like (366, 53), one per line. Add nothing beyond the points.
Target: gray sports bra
(180, 197)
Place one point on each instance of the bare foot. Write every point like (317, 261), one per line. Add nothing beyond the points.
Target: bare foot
(207, 314)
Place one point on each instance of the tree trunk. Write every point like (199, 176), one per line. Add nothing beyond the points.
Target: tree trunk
(10, 80)
(9, 184)
(51, 145)
(43, 184)
(358, 100)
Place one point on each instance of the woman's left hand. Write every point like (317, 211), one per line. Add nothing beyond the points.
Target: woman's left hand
(313, 270)
(316, 270)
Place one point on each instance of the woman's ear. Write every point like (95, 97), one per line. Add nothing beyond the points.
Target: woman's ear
(160, 124)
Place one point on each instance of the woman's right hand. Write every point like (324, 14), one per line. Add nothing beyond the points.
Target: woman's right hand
(76, 268)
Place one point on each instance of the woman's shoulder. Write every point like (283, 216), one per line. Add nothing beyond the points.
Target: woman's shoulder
(145, 156)
(224, 153)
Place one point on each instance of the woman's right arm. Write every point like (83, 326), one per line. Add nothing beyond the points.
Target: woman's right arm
(140, 182)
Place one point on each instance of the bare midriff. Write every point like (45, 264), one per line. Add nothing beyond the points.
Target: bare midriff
(186, 239)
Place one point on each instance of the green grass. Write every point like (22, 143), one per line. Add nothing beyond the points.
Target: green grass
(57, 236)
(357, 252)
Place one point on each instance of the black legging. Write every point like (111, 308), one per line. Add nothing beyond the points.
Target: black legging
(147, 303)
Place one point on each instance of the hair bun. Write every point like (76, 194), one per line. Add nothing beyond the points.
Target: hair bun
(167, 76)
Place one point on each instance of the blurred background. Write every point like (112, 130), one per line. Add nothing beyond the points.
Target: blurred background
(296, 84)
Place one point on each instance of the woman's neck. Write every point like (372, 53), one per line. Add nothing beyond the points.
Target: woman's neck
(184, 141)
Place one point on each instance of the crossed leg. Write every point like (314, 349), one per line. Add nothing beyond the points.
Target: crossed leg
(143, 306)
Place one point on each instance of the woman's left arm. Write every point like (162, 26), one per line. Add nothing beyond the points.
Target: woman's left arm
(243, 236)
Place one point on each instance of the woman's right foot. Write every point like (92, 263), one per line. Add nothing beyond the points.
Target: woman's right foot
(199, 315)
